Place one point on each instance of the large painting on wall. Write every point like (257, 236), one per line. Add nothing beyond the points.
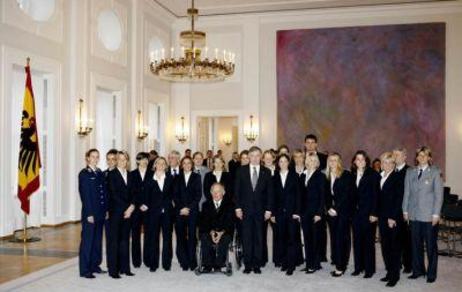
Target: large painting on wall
(371, 87)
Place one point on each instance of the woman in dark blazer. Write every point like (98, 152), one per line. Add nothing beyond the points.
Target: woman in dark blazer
(268, 161)
(187, 194)
(157, 203)
(121, 206)
(312, 197)
(338, 205)
(364, 225)
(218, 175)
(390, 218)
(287, 197)
(138, 178)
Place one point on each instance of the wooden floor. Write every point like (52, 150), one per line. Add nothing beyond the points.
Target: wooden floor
(57, 244)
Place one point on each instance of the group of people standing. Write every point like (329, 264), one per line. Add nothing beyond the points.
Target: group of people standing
(300, 195)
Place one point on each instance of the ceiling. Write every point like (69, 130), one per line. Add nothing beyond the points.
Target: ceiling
(222, 7)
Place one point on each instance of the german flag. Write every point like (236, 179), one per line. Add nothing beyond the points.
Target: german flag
(29, 155)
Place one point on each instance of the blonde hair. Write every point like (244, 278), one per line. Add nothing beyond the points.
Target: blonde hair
(222, 161)
(160, 158)
(312, 157)
(338, 171)
(387, 156)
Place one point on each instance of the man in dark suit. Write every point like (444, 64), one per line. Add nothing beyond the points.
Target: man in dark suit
(233, 164)
(311, 147)
(93, 193)
(152, 158)
(208, 161)
(401, 169)
(254, 203)
(216, 229)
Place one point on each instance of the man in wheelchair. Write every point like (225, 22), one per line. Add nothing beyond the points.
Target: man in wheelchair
(216, 229)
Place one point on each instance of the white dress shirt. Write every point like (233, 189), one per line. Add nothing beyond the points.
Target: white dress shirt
(123, 172)
(217, 174)
(332, 182)
(177, 169)
(252, 167)
(359, 175)
(283, 175)
(142, 173)
(384, 178)
(398, 168)
(217, 204)
(187, 175)
(308, 175)
(160, 180)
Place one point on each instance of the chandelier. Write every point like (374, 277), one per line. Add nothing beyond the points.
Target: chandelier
(194, 63)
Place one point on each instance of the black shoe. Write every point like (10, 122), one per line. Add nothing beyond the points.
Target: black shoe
(356, 273)
(257, 270)
(385, 279)
(324, 260)
(207, 270)
(166, 268)
(368, 275)
(304, 269)
(430, 280)
(283, 268)
(392, 283)
(184, 268)
(137, 266)
(89, 276)
(414, 276)
(290, 272)
(337, 273)
(407, 270)
(114, 276)
(247, 271)
(152, 270)
(130, 274)
(310, 271)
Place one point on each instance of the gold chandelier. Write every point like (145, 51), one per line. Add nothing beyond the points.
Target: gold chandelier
(191, 66)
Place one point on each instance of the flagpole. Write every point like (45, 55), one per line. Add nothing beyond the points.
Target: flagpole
(25, 239)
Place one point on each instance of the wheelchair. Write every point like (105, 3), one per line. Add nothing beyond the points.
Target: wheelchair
(237, 248)
(228, 271)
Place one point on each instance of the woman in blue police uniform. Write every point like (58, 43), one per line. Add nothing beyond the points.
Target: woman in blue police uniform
(92, 189)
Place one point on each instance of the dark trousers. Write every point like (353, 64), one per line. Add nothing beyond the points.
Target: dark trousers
(118, 253)
(322, 249)
(286, 241)
(252, 240)
(137, 222)
(299, 259)
(157, 222)
(391, 248)
(406, 251)
(424, 232)
(311, 237)
(90, 250)
(339, 227)
(214, 255)
(364, 244)
(186, 240)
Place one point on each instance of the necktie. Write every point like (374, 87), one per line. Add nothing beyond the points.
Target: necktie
(198, 171)
(254, 178)
(174, 172)
(420, 173)
(217, 205)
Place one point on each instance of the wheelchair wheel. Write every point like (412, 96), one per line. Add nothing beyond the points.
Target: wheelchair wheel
(229, 270)
(238, 253)
(198, 271)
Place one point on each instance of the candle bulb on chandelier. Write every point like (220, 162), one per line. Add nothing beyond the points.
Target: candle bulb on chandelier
(151, 57)
(163, 54)
(216, 53)
(172, 53)
(206, 52)
(224, 55)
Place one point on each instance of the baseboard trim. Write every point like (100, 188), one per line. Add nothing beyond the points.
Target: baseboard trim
(6, 237)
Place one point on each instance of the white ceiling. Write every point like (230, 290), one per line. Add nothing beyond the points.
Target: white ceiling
(220, 7)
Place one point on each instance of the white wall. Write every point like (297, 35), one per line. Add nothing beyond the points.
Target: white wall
(253, 91)
(67, 48)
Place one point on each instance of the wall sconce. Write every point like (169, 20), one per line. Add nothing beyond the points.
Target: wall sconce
(181, 131)
(251, 132)
(228, 140)
(83, 124)
(142, 131)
